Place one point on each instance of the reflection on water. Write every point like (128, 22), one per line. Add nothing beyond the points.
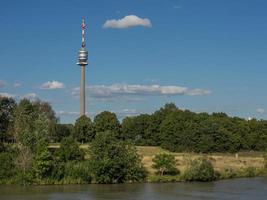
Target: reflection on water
(253, 188)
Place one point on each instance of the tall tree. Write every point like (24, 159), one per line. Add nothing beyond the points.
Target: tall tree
(106, 121)
(84, 129)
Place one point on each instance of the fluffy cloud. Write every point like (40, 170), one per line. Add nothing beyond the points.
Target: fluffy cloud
(119, 90)
(51, 85)
(2, 83)
(17, 84)
(127, 22)
(261, 110)
(5, 94)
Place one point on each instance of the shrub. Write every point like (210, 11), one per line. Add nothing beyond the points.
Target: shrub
(250, 172)
(58, 168)
(199, 169)
(165, 164)
(265, 159)
(6, 166)
(78, 171)
(42, 163)
(115, 161)
(228, 173)
(69, 150)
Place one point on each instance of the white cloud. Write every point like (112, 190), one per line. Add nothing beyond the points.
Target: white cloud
(17, 84)
(261, 110)
(52, 85)
(127, 22)
(119, 90)
(2, 83)
(62, 112)
(126, 113)
(5, 94)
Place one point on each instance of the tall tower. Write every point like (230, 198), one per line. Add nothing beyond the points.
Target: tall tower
(82, 61)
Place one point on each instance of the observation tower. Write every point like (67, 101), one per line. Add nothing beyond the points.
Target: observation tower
(82, 62)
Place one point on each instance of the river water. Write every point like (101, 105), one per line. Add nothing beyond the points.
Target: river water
(251, 189)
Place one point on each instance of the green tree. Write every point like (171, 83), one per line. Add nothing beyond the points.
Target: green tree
(84, 129)
(165, 164)
(134, 129)
(114, 161)
(106, 121)
(7, 106)
(43, 161)
(32, 123)
(69, 150)
(63, 130)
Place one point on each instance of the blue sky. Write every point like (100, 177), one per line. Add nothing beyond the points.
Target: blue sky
(206, 56)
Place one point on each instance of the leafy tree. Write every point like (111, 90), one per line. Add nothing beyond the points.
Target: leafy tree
(114, 161)
(63, 130)
(7, 106)
(43, 162)
(69, 150)
(134, 129)
(106, 121)
(84, 129)
(165, 164)
(31, 123)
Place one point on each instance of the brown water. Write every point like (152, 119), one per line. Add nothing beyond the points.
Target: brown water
(251, 189)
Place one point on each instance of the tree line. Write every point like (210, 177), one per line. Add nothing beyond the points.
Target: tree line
(169, 127)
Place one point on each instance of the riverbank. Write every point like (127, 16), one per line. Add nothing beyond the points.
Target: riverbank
(226, 165)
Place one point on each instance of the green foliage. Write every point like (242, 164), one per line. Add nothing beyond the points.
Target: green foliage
(43, 163)
(165, 164)
(33, 121)
(7, 106)
(265, 159)
(61, 131)
(106, 121)
(78, 171)
(199, 169)
(134, 129)
(84, 129)
(69, 150)
(6, 165)
(114, 161)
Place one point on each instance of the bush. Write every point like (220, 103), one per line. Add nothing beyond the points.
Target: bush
(79, 171)
(228, 173)
(42, 163)
(6, 166)
(115, 161)
(69, 150)
(165, 164)
(199, 169)
(250, 172)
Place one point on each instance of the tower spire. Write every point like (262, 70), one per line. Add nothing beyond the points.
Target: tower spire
(83, 32)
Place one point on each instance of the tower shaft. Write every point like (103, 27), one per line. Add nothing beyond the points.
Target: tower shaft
(82, 91)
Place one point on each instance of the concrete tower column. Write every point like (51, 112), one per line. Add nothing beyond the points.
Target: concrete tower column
(82, 91)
